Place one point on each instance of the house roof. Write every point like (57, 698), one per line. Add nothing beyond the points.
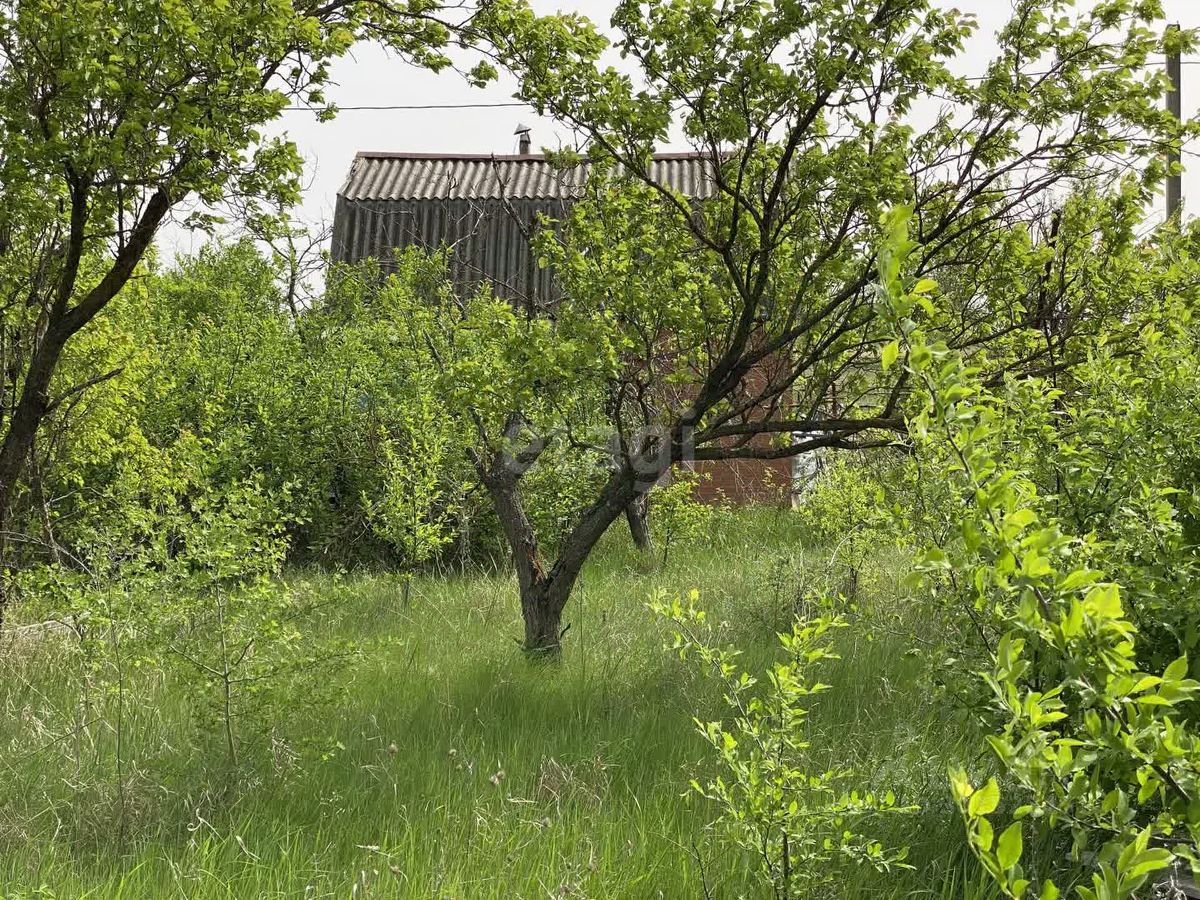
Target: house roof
(433, 176)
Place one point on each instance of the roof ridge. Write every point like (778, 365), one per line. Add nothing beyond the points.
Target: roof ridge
(505, 157)
(417, 176)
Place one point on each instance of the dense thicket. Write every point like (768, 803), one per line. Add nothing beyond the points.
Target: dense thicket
(213, 382)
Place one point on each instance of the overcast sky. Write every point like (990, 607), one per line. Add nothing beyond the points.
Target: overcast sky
(370, 77)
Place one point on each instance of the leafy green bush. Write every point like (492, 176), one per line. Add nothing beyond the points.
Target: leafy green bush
(1105, 441)
(189, 593)
(675, 513)
(847, 510)
(1095, 747)
(223, 382)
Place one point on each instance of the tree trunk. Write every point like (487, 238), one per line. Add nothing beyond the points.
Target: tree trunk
(63, 322)
(542, 609)
(541, 619)
(18, 443)
(637, 514)
(545, 591)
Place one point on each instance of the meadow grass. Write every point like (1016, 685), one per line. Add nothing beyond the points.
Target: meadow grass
(453, 766)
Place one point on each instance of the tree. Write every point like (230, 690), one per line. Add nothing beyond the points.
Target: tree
(112, 115)
(744, 326)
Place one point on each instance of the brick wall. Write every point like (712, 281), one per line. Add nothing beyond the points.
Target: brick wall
(745, 481)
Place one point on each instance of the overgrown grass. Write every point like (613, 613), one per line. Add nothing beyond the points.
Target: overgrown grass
(460, 768)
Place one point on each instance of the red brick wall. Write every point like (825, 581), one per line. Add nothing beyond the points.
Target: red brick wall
(745, 481)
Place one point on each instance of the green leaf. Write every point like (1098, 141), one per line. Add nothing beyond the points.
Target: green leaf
(985, 835)
(1146, 862)
(985, 800)
(960, 784)
(1177, 670)
(891, 353)
(1021, 518)
(1034, 565)
(1008, 848)
(1104, 601)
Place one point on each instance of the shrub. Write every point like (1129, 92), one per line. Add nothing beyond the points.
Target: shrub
(847, 510)
(675, 514)
(1096, 747)
(804, 824)
(189, 593)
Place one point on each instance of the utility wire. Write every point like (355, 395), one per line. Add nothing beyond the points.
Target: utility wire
(317, 109)
(517, 103)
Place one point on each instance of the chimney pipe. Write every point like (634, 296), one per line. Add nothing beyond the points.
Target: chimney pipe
(524, 142)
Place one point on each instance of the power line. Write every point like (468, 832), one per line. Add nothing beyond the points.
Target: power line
(513, 104)
(1111, 68)
(316, 109)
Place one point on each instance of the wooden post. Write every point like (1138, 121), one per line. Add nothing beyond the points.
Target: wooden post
(1175, 108)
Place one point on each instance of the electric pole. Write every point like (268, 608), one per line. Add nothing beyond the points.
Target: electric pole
(1175, 108)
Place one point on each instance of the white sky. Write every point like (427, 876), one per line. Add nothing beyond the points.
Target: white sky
(369, 77)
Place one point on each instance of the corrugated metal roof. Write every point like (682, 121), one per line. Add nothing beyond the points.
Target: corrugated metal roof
(485, 208)
(490, 239)
(411, 176)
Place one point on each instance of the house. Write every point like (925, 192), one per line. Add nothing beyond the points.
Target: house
(487, 208)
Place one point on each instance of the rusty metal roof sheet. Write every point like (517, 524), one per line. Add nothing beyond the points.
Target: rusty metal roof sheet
(413, 176)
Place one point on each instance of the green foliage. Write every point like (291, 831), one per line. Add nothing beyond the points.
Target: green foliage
(389, 454)
(412, 486)
(1099, 747)
(672, 288)
(1124, 469)
(238, 630)
(847, 510)
(1104, 442)
(806, 825)
(562, 483)
(112, 114)
(122, 95)
(739, 324)
(446, 371)
(215, 381)
(190, 589)
(675, 513)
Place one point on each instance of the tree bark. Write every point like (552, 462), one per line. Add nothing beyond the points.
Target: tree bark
(542, 611)
(64, 321)
(543, 594)
(637, 514)
(18, 443)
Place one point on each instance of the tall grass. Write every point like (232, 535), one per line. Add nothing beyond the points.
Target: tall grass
(455, 767)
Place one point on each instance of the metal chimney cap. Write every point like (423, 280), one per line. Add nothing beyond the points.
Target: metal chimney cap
(522, 129)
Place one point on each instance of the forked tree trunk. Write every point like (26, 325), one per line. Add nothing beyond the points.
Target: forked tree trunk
(544, 589)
